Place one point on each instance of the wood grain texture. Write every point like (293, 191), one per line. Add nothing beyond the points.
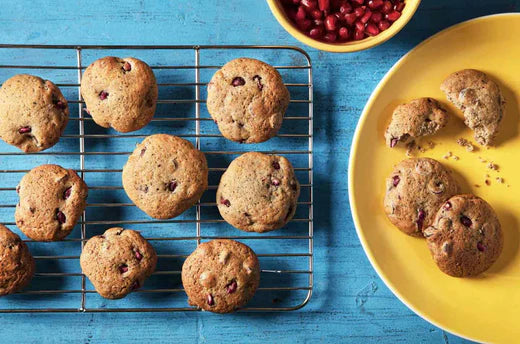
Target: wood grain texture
(350, 303)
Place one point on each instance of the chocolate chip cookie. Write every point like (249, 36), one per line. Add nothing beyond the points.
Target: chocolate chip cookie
(414, 192)
(165, 175)
(118, 262)
(258, 192)
(52, 199)
(16, 262)
(247, 99)
(221, 276)
(465, 238)
(420, 117)
(33, 113)
(120, 93)
(480, 99)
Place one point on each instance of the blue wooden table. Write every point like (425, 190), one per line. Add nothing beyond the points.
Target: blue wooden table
(350, 302)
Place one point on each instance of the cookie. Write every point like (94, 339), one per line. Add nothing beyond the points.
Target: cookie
(33, 113)
(414, 192)
(16, 262)
(51, 201)
(165, 175)
(258, 192)
(465, 238)
(120, 93)
(420, 117)
(221, 275)
(247, 99)
(118, 262)
(481, 101)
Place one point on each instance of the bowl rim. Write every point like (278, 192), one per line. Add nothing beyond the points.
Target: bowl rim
(353, 46)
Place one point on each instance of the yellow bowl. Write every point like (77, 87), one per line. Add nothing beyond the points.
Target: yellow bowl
(348, 47)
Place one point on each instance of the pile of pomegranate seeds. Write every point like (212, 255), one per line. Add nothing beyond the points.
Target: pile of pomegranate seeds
(343, 20)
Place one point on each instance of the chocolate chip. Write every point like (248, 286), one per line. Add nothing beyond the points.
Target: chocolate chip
(103, 95)
(466, 221)
(123, 268)
(66, 193)
(231, 287)
(276, 165)
(61, 217)
(210, 300)
(258, 79)
(24, 130)
(395, 180)
(238, 81)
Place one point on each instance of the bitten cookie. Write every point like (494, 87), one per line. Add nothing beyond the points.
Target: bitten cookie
(465, 238)
(51, 201)
(258, 192)
(247, 99)
(16, 262)
(480, 99)
(120, 93)
(414, 192)
(118, 262)
(165, 175)
(420, 117)
(221, 276)
(33, 113)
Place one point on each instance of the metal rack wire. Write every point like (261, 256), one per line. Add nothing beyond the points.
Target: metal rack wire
(98, 167)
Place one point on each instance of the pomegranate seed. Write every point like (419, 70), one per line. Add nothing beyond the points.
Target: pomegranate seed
(358, 2)
(301, 14)
(61, 217)
(383, 25)
(103, 95)
(226, 202)
(420, 218)
(481, 247)
(330, 37)
(350, 18)
(276, 165)
(387, 7)
(238, 81)
(447, 206)
(393, 16)
(60, 105)
(343, 33)
(316, 14)
(373, 4)
(135, 285)
(395, 180)
(376, 17)
(305, 24)
(24, 130)
(359, 35)
(366, 17)
(466, 221)
(66, 193)
(138, 255)
(172, 185)
(324, 5)
(371, 29)
(316, 33)
(399, 7)
(360, 26)
(123, 268)
(360, 11)
(231, 287)
(127, 67)
(210, 300)
(345, 8)
(309, 4)
(331, 23)
(318, 22)
(275, 181)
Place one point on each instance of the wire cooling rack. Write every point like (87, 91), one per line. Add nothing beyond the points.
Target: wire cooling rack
(98, 154)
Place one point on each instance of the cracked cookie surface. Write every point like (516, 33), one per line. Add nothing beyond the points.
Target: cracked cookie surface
(258, 192)
(120, 93)
(420, 117)
(52, 199)
(118, 262)
(247, 99)
(33, 113)
(165, 175)
(16, 262)
(479, 97)
(465, 238)
(221, 275)
(414, 192)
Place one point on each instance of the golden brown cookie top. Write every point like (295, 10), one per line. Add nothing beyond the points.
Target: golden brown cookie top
(247, 99)
(33, 113)
(165, 175)
(258, 192)
(118, 262)
(465, 238)
(120, 93)
(16, 262)
(420, 117)
(415, 190)
(221, 275)
(52, 199)
(480, 99)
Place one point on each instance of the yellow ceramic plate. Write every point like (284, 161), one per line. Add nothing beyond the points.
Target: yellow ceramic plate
(486, 308)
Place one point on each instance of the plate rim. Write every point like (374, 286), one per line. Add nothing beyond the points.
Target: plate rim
(354, 147)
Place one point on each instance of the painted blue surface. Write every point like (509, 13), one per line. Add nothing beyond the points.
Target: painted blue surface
(350, 303)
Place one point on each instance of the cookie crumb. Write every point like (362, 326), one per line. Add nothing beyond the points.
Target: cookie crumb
(448, 155)
(455, 158)
(488, 182)
(482, 160)
(500, 180)
(493, 166)
(477, 185)
(431, 144)
(410, 147)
